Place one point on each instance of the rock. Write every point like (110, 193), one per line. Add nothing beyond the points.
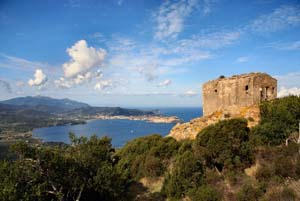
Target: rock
(190, 129)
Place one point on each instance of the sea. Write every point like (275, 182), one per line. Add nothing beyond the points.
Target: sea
(120, 131)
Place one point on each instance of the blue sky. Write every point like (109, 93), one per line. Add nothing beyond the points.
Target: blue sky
(138, 53)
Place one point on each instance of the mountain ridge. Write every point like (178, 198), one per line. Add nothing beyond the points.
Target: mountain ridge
(65, 104)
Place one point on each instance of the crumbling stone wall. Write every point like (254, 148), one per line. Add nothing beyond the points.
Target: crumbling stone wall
(237, 91)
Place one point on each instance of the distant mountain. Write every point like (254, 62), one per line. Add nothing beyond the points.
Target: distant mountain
(25, 113)
(41, 106)
(45, 104)
(109, 111)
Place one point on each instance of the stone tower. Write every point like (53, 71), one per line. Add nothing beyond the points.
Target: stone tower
(237, 91)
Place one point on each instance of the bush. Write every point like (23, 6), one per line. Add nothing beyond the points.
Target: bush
(280, 162)
(205, 193)
(249, 193)
(264, 173)
(284, 167)
(86, 169)
(187, 174)
(225, 145)
(147, 156)
(279, 118)
(286, 194)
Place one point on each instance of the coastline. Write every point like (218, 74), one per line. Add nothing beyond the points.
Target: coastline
(10, 136)
(151, 119)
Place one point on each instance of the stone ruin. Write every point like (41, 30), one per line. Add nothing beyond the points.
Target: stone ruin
(233, 97)
(237, 91)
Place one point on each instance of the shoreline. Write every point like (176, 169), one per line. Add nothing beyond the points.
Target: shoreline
(11, 136)
(151, 119)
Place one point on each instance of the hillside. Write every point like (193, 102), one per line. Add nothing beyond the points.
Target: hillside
(189, 130)
(110, 111)
(226, 161)
(25, 113)
(42, 101)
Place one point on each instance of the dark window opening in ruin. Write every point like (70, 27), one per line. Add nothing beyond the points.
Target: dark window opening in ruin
(267, 92)
(216, 90)
(246, 87)
(273, 90)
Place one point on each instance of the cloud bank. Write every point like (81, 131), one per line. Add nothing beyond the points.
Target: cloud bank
(288, 91)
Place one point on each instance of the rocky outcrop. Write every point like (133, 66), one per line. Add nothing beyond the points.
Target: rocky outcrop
(190, 129)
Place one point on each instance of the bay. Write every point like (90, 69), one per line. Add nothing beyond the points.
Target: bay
(120, 131)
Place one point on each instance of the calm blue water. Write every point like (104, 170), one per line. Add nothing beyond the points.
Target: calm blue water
(121, 131)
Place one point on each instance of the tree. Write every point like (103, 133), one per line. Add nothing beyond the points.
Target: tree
(225, 145)
(147, 156)
(84, 171)
(279, 119)
(186, 175)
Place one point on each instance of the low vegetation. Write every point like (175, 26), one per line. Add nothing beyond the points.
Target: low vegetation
(227, 161)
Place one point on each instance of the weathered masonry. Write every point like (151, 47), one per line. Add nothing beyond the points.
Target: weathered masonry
(237, 91)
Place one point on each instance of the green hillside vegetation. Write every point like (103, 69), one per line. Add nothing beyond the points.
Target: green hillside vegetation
(227, 161)
(279, 119)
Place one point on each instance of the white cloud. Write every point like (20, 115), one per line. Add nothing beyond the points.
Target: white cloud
(81, 78)
(242, 59)
(289, 80)
(289, 84)
(164, 83)
(39, 78)
(190, 93)
(170, 17)
(288, 91)
(83, 59)
(280, 18)
(134, 64)
(63, 83)
(156, 59)
(66, 83)
(104, 85)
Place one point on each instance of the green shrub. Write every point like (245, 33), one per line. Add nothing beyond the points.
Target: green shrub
(284, 167)
(225, 145)
(212, 177)
(205, 193)
(279, 118)
(147, 156)
(264, 173)
(249, 193)
(86, 169)
(187, 174)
